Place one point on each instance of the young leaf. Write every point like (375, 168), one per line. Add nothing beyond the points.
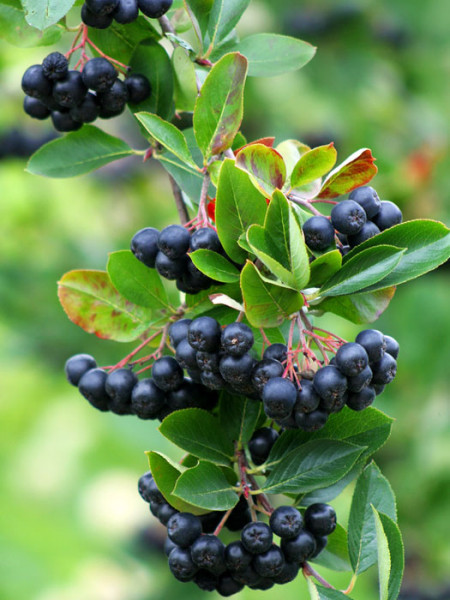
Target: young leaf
(206, 486)
(335, 555)
(266, 304)
(224, 16)
(201, 10)
(238, 417)
(184, 80)
(197, 432)
(291, 151)
(324, 267)
(427, 245)
(357, 170)
(311, 466)
(391, 556)
(264, 165)
(330, 594)
(92, 302)
(43, 13)
(270, 54)
(219, 108)
(238, 205)
(359, 308)
(15, 29)
(313, 165)
(166, 473)
(77, 153)
(363, 270)
(215, 266)
(372, 489)
(136, 282)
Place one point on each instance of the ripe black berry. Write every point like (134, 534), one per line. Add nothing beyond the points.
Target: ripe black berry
(70, 91)
(330, 383)
(114, 98)
(92, 387)
(55, 66)
(174, 241)
(207, 239)
(169, 268)
(351, 359)
(208, 552)
(97, 21)
(367, 197)
(236, 557)
(362, 399)
(320, 519)
(300, 548)
(204, 334)
(367, 231)
(35, 108)
(144, 245)
(138, 87)
(276, 352)
(63, 121)
(307, 398)
(240, 516)
(167, 373)
(148, 489)
(289, 573)
(286, 522)
(321, 542)
(213, 381)
(256, 537)
(126, 12)
(357, 383)
(35, 83)
(147, 400)
(119, 385)
(312, 421)
(99, 74)
(264, 370)
(186, 355)
(168, 546)
(186, 396)
(184, 529)
(348, 217)
(77, 366)
(319, 233)
(228, 586)
(270, 563)
(384, 370)
(208, 361)
(388, 215)
(87, 111)
(154, 8)
(261, 444)
(392, 346)
(236, 369)
(165, 512)
(237, 339)
(247, 576)
(102, 7)
(181, 563)
(279, 397)
(379, 389)
(206, 581)
(178, 331)
(374, 343)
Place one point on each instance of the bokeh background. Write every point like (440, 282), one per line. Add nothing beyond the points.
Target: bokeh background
(71, 522)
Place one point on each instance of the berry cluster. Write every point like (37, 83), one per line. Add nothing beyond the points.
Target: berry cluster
(100, 14)
(198, 555)
(122, 393)
(72, 98)
(356, 220)
(167, 252)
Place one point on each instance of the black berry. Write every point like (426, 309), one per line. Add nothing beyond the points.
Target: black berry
(167, 373)
(178, 331)
(181, 564)
(207, 239)
(87, 111)
(119, 385)
(92, 387)
(114, 98)
(236, 369)
(362, 399)
(237, 339)
(237, 558)
(138, 87)
(77, 366)
(35, 108)
(154, 8)
(186, 355)
(330, 383)
(144, 245)
(170, 268)
(270, 563)
(392, 346)
(276, 352)
(70, 91)
(148, 489)
(289, 573)
(261, 444)
(367, 231)
(312, 421)
(367, 197)
(35, 83)
(204, 334)
(320, 519)
(208, 361)
(208, 552)
(286, 522)
(279, 397)
(184, 529)
(99, 74)
(357, 383)
(165, 511)
(384, 370)
(206, 581)
(348, 217)
(147, 400)
(351, 359)
(264, 370)
(126, 12)
(63, 121)
(319, 233)
(307, 398)
(300, 548)
(102, 7)
(374, 343)
(97, 21)
(228, 586)
(174, 241)
(388, 215)
(55, 66)
(256, 537)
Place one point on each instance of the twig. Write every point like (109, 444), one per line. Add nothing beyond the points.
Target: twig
(305, 203)
(166, 25)
(308, 571)
(181, 206)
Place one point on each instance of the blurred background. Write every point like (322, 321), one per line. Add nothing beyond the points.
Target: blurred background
(71, 522)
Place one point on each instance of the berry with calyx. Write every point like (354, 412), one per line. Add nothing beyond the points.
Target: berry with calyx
(204, 334)
(186, 396)
(167, 373)
(276, 352)
(256, 537)
(320, 519)
(184, 528)
(115, 98)
(264, 370)
(213, 381)
(392, 346)
(367, 231)
(138, 87)
(319, 233)
(237, 558)
(286, 522)
(206, 581)
(126, 12)
(367, 197)
(154, 8)
(102, 7)
(178, 331)
(351, 359)
(330, 383)
(208, 361)
(362, 399)
(186, 355)
(55, 66)
(237, 339)
(385, 370)
(147, 400)
(97, 21)
(228, 586)
(360, 381)
(76, 366)
(63, 121)
(300, 548)
(247, 576)
(194, 279)
(169, 268)
(312, 421)
(87, 111)
(261, 444)
(174, 241)
(99, 74)
(388, 215)
(207, 239)
(308, 399)
(208, 552)
(92, 387)
(279, 397)
(119, 386)
(165, 512)
(35, 83)
(236, 370)
(148, 490)
(181, 564)
(144, 245)
(374, 343)
(70, 91)
(348, 217)
(269, 563)
(35, 108)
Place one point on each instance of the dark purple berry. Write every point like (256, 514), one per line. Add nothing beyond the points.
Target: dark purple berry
(178, 331)
(144, 245)
(206, 581)
(97, 21)
(119, 386)
(236, 369)
(360, 381)
(367, 231)
(165, 512)
(279, 397)
(264, 370)
(87, 111)
(70, 91)
(237, 558)
(55, 66)
(62, 121)
(77, 366)
(269, 564)
(330, 383)
(300, 548)
(92, 387)
(204, 334)
(148, 490)
(147, 400)
(102, 7)
(126, 12)
(321, 542)
(379, 389)
(237, 339)
(35, 83)
(367, 197)
(170, 268)
(168, 546)
(207, 239)
(308, 399)
(99, 74)
(154, 8)
(374, 343)
(384, 370)
(351, 359)
(261, 444)
(213, 381)
(167, 373)
(256, 537)
(392, 346)
(186, 355)
(319, 233)
(320, 519)
(114, 98)
(276, 352)
(388, 215)
(35, 108)
(288, 573)
(181, 563)
(312, 421)
(286, 522)
(362, 399)
(208, 552)
(348, 217)
(139, 88)
(184, 529)
(228, 586)
(174, 241)
(208, 361)
(186, 396)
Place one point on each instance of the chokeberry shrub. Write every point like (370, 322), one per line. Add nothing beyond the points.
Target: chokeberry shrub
(238, 370)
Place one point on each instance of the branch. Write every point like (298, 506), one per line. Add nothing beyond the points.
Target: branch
(166, 25)
(181, 206)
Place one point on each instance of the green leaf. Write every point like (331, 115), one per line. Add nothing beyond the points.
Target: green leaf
(264, 165)
(224, 16)
(167, 135)
(357, 170)
(427, 246)
(266, 304)
(43, 13)
(197, 432)
(324, 267)
(359, 308)
(219, 107)
(238, 416)
(238, 205)
(335, 555)
(120, 41)
(150, 59)
(15, 29)
(166, 473)
(201, 10)
(372, 489)
(206, 486)
(92, 302)
(184, 80)
(77, 153)
(270, 54)
(311, 466)
(391, 556)
(215, 266)
(136, 282)
(330, 594)
(363, 270)
(313, 165)
(331, 492)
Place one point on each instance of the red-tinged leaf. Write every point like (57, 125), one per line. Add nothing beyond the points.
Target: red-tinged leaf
(264, 165)
(357, 170)
(266, 141)
(92, 302)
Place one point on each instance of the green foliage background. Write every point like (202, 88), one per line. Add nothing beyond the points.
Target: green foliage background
(71, 522)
